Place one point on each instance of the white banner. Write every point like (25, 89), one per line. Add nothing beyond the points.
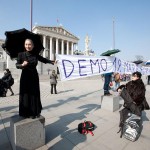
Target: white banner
(79, 66)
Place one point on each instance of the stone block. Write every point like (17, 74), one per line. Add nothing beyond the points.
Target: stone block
(110, 103)
(27, 134)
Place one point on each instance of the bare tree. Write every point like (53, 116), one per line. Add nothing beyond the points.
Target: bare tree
(139, 57)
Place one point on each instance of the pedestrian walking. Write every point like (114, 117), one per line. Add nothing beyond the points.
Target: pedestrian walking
(53, 81)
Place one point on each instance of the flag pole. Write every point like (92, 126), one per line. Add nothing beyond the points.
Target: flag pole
(57, 21)
(31, 15)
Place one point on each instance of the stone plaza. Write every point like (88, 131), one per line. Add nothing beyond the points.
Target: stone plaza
(76, 101)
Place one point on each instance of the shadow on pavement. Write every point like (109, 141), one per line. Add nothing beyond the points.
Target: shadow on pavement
(61, 101)
(60, 127)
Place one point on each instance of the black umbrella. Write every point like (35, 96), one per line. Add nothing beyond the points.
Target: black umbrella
(14, 42)
(110, 52)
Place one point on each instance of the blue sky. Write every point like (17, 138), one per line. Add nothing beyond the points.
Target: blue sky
(92, 17)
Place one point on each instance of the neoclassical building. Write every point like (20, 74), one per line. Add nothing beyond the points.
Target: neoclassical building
(56, 40)
(2, 53)
(3, 56)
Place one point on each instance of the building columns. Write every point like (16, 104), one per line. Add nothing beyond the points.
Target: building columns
(56, 46)
(44, 44)
(8, 60)
(62, 47)
(72, 48)
(50, 49)
(67, 47)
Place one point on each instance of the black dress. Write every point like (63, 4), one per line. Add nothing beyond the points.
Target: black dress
(29, 96)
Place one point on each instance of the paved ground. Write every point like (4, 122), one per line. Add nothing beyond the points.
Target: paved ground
(76, 101)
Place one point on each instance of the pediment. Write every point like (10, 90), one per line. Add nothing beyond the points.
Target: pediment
(59, 30)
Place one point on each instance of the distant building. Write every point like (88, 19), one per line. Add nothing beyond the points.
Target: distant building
(2, 52)
(3, 56)
(56, 40)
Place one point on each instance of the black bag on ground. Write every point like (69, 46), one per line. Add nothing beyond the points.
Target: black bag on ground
(86, 127)
(130, 125)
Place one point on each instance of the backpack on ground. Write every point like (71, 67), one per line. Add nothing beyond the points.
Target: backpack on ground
(86, 127)
(130, 125)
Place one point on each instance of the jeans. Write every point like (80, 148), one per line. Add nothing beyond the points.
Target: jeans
(106, 83)
(53, 86)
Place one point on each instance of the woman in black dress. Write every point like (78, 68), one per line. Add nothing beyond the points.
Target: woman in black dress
(29, 96)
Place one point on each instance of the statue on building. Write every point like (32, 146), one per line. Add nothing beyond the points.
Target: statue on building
(88, 51)
(87, 42)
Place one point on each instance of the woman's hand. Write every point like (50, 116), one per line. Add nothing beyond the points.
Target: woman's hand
(56, 61)
(119, 91)
(24, 63)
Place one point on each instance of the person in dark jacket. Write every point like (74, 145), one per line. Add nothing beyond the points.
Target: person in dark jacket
(148, 79)
(8, 79)
(29, 95)
(133, 94)
(3, 88)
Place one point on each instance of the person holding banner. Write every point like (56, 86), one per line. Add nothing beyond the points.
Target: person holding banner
(107, 80)
(29, 94)
(148, 79)
(117, 80)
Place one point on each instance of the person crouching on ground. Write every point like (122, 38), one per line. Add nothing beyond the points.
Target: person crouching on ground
(7, 78)
(133, 94)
